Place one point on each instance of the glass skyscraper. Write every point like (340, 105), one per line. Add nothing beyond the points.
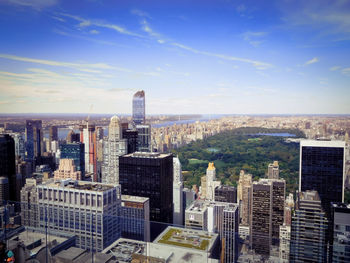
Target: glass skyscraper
(34, 138)
(138, 108)
(74, 151)
(322, 169)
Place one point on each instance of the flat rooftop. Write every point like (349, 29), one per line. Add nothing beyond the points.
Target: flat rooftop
(123, 248)
(187, 238)
(147, 155)
(197, 206)
(35, 240)
(133, 198)
(79, 185)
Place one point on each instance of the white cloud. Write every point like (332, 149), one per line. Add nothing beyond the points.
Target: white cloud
(35, 4)
(346, 71)
(94, 32)
(78, 66)
(257, 64)
(334, 68)
(141, 13)
(147, 28)
(311, 61)
(87, 22)
(254, 38)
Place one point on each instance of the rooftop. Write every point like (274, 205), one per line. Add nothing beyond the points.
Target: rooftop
(133, 198)
(147, 155)
(79, 185)
(123, 248)
(187, 238)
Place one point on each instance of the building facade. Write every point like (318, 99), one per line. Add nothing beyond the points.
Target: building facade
(340, 233)
(149, 175)
(8, 164)
(143, 137)
(138, 108)
(273, 170)
(89, 210)
(135, 222)
(33, 138)
(308, 231)
(244, 197)
(75, 151)
(88, 137)
(114, 147)
(322, 168)
(67, 170)
(178, 203)
(226, 193)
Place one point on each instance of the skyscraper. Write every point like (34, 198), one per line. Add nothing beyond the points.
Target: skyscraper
(53, 133)
(88, 209)
(149, 175)
(229, 233)
(4, 190)
(267, 213)
(8, 163)
(322, 168)
(88, 137)
(308, 231)
(339, 233)
(34, 138)
(76, 152)
(143, 137)
(261, 218)
(67, 170)
(244, 197)
(114, 147)
(210, 183)
(178, 213)
(273, 170)
(138, 108)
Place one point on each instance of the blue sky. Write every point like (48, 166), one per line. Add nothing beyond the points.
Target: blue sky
(222, 56)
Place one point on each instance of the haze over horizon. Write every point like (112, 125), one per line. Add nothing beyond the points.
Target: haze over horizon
(190, 57)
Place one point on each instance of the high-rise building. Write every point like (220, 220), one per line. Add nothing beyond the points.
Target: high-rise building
(178, 213)
(90, 210)
(261, 217)
(143, 137)
(131, 136)
(308, 231)
(138, 108)
(135, 222)
(226, 193)
(149, 175)
(29, 202)
(114, 147)
(8, 163)
(4, 190)
(267, 213)
(244, 197)
(72, 137)
(34, 138)
(88, 137)
(273, 170)
(20, 149)
(229, 233)
(67, 170)
(322, 168)
(284, 243)
(340, 233)
(210, 183)
(76, 152)
(53, 133)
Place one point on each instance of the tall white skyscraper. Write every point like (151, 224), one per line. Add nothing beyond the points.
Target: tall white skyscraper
(114, 147)
(211, 184)
(178, 213)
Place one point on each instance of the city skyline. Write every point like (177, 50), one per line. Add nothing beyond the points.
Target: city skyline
(227, 57)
